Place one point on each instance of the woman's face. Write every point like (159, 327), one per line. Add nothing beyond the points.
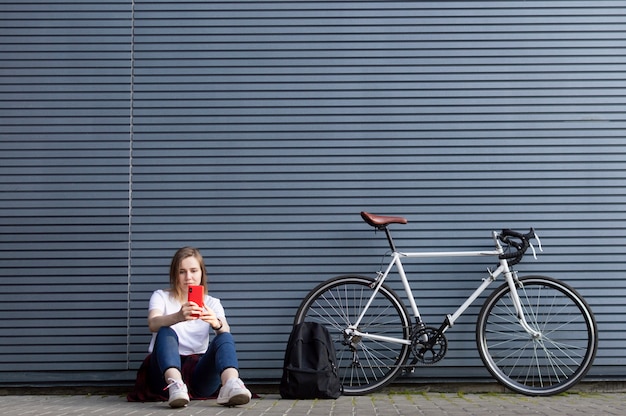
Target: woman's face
(189, 273)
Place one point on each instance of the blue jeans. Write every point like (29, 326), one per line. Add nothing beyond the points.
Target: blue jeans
(205, 379)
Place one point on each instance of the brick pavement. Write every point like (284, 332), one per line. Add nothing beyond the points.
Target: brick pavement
(379, 404)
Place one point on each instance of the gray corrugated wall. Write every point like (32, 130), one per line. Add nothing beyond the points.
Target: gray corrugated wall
(64, 180)
(259, 130)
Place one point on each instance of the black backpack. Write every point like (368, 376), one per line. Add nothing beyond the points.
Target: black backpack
(309, 370)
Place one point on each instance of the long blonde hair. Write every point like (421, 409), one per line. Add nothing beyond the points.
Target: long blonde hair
(180, 255)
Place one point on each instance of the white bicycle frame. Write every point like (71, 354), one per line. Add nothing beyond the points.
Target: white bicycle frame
(396, 257)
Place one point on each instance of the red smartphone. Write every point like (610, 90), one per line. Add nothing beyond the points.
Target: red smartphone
(196, 294)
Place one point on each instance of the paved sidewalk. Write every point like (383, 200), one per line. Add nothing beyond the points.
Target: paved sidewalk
(379, 404)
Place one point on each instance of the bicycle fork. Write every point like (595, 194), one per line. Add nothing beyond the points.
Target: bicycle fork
(514, 285)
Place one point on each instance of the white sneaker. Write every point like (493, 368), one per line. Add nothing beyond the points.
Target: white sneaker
(234, 393)
(178, 393)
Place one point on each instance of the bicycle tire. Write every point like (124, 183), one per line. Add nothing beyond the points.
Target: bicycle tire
(364, 365)
(548, 364)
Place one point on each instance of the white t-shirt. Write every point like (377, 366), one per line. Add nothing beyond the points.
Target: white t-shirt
(193, 336)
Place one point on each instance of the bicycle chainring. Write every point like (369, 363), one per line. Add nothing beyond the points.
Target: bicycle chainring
(428, 345)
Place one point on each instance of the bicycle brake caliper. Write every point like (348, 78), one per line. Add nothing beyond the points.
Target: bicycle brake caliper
(379, 275)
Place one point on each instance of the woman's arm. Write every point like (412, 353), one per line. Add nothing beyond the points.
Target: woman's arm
(156, 319)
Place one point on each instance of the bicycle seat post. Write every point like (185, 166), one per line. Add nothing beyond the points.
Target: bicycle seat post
(389, 239)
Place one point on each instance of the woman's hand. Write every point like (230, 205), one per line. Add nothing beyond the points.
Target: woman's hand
(190, 311)
(209, 316)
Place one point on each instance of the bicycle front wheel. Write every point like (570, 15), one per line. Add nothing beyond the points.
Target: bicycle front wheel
(550, 362)
(364, 364)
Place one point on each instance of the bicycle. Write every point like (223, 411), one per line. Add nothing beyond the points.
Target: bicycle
(536, 335)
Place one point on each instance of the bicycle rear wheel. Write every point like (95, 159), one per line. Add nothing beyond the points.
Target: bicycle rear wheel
(364, 365)
(547, 364)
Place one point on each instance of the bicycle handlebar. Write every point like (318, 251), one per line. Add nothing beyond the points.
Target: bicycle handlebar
(510, 238)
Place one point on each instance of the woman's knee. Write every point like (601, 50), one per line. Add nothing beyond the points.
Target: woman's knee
(166, 339)
(166, 331)
(223, 338)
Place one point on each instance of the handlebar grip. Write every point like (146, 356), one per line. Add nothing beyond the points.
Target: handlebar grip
(507, 236)
(510, 233)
